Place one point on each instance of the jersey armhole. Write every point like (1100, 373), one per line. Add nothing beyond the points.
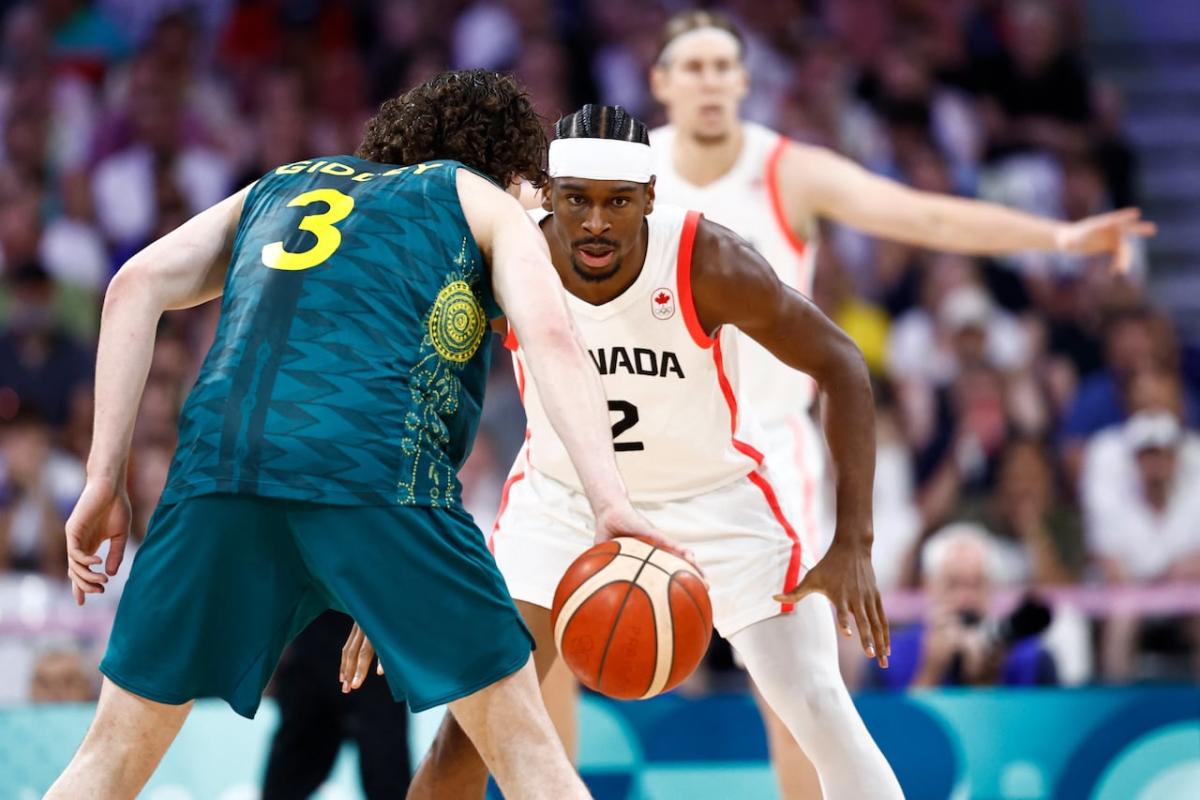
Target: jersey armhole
(776, 198)
(683, 280)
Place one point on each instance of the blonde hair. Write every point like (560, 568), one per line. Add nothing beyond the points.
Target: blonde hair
(697, 19)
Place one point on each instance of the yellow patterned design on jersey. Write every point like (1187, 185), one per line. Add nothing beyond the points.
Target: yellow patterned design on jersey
(457, 323)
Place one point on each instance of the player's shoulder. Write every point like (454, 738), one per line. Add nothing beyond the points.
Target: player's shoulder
(760, 138)
(769, 143)
(668, 219)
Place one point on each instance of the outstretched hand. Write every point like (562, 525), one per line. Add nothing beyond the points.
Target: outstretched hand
(846, 577)
(102, 512)
(1106, 233)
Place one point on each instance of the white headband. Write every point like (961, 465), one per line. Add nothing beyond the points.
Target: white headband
(601, 160)
(673, 45)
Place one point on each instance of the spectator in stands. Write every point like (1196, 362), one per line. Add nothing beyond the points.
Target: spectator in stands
(1036, 91)
(1026, 507)
(966, 330)
(62, 675)
(38, 361)
(1135, 340)
(162, 175)
(972, 426)
(1139, 490)
(38, 487)
(954, 644)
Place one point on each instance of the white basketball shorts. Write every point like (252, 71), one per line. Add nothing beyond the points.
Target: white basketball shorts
(741, 534)
(795, 448)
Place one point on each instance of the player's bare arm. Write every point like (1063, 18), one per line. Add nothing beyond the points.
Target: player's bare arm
(734, 285)
(530, 292)
(182, 269)
(817, 181)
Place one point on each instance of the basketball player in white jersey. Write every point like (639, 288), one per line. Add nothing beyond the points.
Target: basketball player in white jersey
(772, 191)
(656, 297)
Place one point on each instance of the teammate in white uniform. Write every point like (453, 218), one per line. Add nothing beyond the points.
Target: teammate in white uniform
(772, 190)
(656, 298)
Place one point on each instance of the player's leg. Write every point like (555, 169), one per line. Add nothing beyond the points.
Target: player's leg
(796, 775)
(453, 766)
(804, 462)
(122, 748)
(213, 596)
(452, 635)
(560, 693)
(793, 660)
(510, 728)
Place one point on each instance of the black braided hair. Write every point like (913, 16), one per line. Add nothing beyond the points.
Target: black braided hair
(602, 122)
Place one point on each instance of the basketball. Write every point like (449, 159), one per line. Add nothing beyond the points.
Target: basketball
(631, 620)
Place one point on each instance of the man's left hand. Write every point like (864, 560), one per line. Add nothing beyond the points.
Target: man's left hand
(846, 577)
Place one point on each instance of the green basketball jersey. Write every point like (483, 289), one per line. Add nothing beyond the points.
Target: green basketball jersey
(352, 349)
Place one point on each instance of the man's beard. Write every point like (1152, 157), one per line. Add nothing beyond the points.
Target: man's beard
(591, 276)
(705, 140)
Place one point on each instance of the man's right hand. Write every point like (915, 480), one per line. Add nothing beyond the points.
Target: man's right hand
(356, 660)
(102, 512)
(625, 521)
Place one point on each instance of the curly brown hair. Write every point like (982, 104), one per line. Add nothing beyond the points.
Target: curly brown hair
(481, 118)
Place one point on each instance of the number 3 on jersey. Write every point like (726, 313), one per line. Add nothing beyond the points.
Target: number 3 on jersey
(329, 238)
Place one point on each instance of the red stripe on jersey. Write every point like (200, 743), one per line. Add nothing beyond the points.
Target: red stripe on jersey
(793, 570)
(510, 339)
(508, 484)
(798, 244)
(731, 401)
(683, 280)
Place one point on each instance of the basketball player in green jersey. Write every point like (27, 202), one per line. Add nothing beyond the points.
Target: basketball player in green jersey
(318, 450)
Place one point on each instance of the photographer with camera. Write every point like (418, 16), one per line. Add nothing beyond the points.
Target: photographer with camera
(960, 642)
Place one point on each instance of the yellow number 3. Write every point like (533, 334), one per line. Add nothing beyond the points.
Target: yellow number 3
(329, 238)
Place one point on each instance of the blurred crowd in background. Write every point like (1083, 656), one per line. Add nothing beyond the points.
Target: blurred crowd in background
(1036, 415)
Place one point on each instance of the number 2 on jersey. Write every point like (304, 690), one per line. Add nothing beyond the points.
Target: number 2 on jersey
(629, 418)
(329, 238)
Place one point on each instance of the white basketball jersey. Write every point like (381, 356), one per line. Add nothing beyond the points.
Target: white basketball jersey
(668, 384)
(746, 200)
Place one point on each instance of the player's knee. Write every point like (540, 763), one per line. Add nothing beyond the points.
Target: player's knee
(823, 701)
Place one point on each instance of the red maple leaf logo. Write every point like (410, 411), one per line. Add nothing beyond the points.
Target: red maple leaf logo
(662, 298)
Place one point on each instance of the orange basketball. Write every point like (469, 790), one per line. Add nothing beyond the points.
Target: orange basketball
(631, 620)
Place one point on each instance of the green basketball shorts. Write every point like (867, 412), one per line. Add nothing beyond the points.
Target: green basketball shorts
(223, 582)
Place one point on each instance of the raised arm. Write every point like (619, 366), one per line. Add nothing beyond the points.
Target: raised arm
(182, 269)
(814, 180)
(733, 285)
